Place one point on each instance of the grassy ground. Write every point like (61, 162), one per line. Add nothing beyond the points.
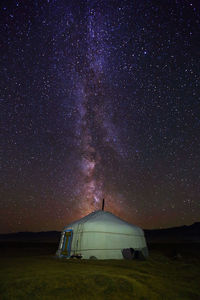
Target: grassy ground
(29, 275)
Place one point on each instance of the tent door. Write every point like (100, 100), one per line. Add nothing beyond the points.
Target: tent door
(66, 248)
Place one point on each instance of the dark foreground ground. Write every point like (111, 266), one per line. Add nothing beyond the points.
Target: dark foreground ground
(31, 271)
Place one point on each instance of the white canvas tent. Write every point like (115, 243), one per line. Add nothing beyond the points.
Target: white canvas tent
(101, 235)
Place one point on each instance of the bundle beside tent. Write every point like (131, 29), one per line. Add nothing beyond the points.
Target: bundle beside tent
(102, 235)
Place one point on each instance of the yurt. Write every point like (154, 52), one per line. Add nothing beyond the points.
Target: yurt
(102, 235)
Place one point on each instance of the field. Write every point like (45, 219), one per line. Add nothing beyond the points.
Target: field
(31, 271)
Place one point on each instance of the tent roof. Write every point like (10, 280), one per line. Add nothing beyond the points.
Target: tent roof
(104, 220)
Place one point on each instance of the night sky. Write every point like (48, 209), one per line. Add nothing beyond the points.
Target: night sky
(99, 99)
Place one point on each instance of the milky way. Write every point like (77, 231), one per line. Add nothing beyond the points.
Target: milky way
(95, 132)
(94, 128)
(100, 99)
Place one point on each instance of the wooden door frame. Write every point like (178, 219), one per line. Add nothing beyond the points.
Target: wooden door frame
(68, 243)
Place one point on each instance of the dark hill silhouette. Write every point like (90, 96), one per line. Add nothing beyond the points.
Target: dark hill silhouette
(186, 234)
(42, 236)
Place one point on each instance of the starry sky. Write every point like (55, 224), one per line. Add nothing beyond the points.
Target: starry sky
(99, 99)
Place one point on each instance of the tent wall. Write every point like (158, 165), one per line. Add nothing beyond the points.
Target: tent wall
(105, 245)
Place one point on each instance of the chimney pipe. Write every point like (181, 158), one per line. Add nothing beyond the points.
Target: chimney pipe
(103, 204)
